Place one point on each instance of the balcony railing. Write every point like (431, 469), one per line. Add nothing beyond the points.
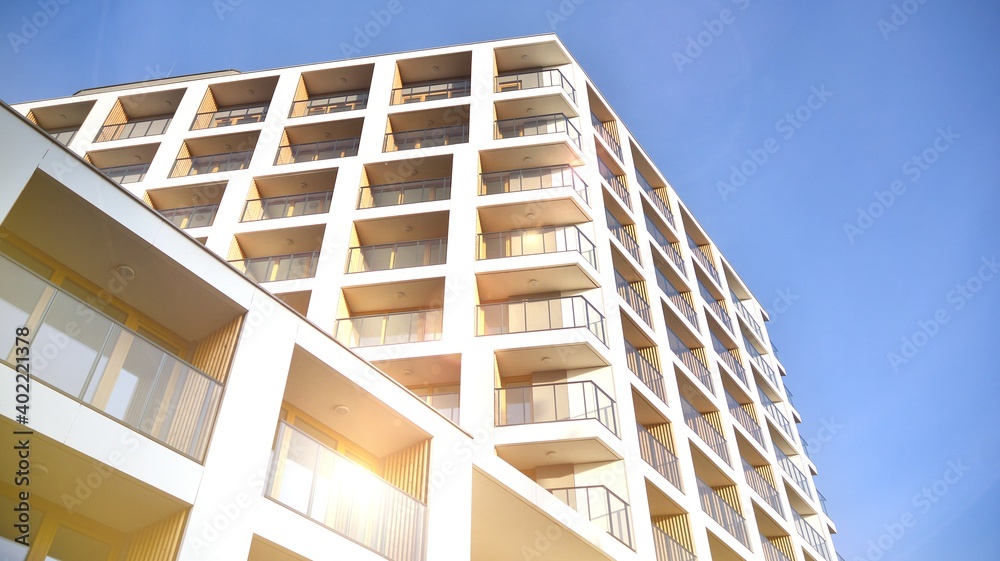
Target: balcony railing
(604, 132)
(812, 537)
(319, 483)
(279, 267)
(543, 124)
(529, 179)
(656, 454)
(632, 297)
(771, 551)
(602, 507)
(729, 357)
(211, 163)
(623, 235)
(316, 151)
(445, 404)
(438, 189)
(822, 499)
(705, 430)
(535, 79)
(723, 513)
(64, 136)
(287, 206)
(655, 198)
(401, 255)
(677, 298)
(793, 471)
(230, 117)
(126, 174)
(762, 487)
(561, 401)
(668, 549)
(540, 315)
(777, 415)
(742, 310)
(717, 307)
(390, 329)
(701, 255)
(616, 182)
(99, 362)
(689, 359)
(425, 138)
(431, 92)
(333, 103)
(134, 129)
(666, 245)
(192, 216)
(645, 370)
(744, 418)
(536, 241)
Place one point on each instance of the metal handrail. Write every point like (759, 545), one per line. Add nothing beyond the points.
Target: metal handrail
(431, 91)
(279, 267)
(540, 315)
(656, 199)
(542, 124)
(668, 247)
(529, 179)
(536, 241)
(743, 417)
(793, 471)
(677, 298)
(390, 328)
(689, 359)
(762, 487)
(425, 138)
(605, 133)
(616, 182)
(130, 173)
(392, 194)
(669, 549)
(614, 517)
(333, 103)
(525, 80)
(229, 117)
(191, 216)
(136, 128)
(730, 359)
(705, 430)
(632, 297)
(810, 535)
(623, 235)
(211, 163)
(723, 513)
(661, 458)
(558, 401)
(645, 370)
(316, 151)
(286, 206)
(400, 255)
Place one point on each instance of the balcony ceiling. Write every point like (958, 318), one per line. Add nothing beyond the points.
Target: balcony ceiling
(542, 105)
(62, 116)
(123, 156)
(388, 297)
(267, 243)
(660, 504)
(523, 361)
(577, 449)
(93, 244)
(429, 118)
(538, 55)
(296, 183)
(327, 130)
(501, 285)
(244, 92)
(342, 79)
(538, 155)
(398, 171)
(541, 207)
(437, 67)
(150, 104)
(424, 371)
(222, 144)
(194, 195)
(395, 229)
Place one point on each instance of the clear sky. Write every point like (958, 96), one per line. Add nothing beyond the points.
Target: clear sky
(886, 317)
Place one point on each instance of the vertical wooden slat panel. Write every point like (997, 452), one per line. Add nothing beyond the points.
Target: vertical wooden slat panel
(730, 494)
(301, 91)
(31, 117)
(158, 541)
(235, 251)
(677, 527)
(784, 543)
(715, 420)
(214, 353)
(117, 115)
(661, 432)
(208, 103)
(407, 469)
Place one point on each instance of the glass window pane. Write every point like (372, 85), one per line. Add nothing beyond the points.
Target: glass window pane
(70, 545)
(20, 292)
(65, 360)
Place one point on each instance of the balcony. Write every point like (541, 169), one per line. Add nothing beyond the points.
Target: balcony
(604, 508)
(316, 151)
(623, 235)
(444, 403)
(633, 298)
(333, 103)
(705, 430)
(604, 131)
(811, 536)
(425, 190)
(667, 548)
(61, 122)
(772, 408)
(319, 483)
(645, 370)
(722, 512)
(695, 364)
(531, 79)
(543, 124)
(536, 241)
(432, 91)
(561, 401)
(703, 256)
(287, 206)
(668, 247)
(680, 300)
(401, 255)
(231, 116)
(730, 358)
(744, 418)
(793, 471)
(131, 173)
(276, 268)
(192, 216)
(717, 306)
(661, 458)
(758, 360)
(212, 163)
(616, 182)
(540, 315)
(744, 313)
(107, 366)
(529, 179)
(137, 128)
(659, 202)
(762, 487)
(426, 138)
(390, 329)
(64, 136)
(771, 551)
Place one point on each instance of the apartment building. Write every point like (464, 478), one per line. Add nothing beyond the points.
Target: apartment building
(435, 305)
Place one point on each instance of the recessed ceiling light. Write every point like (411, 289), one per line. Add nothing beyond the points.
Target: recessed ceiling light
(551, 454)
(407, 228)
(289, 241)
(343, 80)
(400, 295)
(430, 122)
(524, 58)
(546, 360)
(435, 69)
(124, 272)
(227, 147)
(528, 159)
(303, 185)
(407, 373)
(63, 117)
(249, 92)
(341, 409)
(413, 172)
(533, 283)
(529, 110)
(530, 216)
(137, 158)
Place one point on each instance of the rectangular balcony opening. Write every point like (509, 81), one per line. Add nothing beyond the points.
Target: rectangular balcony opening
(625, 234)
(761, 480)
(671, 525)
(267, 256)
(124, 165)
(334, 90)
(536, 78)
(744, 414)
(729, 357)
(561, 401)
(808, 533)
(708, 427)
(193, 206)
(681, 300)
(404, 182)
(717, 305)
(643, 363)
(432, 78)
(321, 141)
(776, 414)
(669, 549)
(778, 548)
(62, 122)
(426, 129)
(399, 242)
(235, 103)
(545, 314)
(136, 116)
(703, 255)
(658, 196)
(633, 292)
(671, 249)
(607, 131)
(215, 154)
(288, 195)
(721, 503)
(616, 180)
(656, 448)
(602, 506)
(557, 123)
(390, 328)
(744, 313)
(536, 241)
(692, 358)
(530, 179)
(793, 471)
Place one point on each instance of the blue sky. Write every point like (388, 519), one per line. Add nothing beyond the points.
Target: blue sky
(906, 105)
